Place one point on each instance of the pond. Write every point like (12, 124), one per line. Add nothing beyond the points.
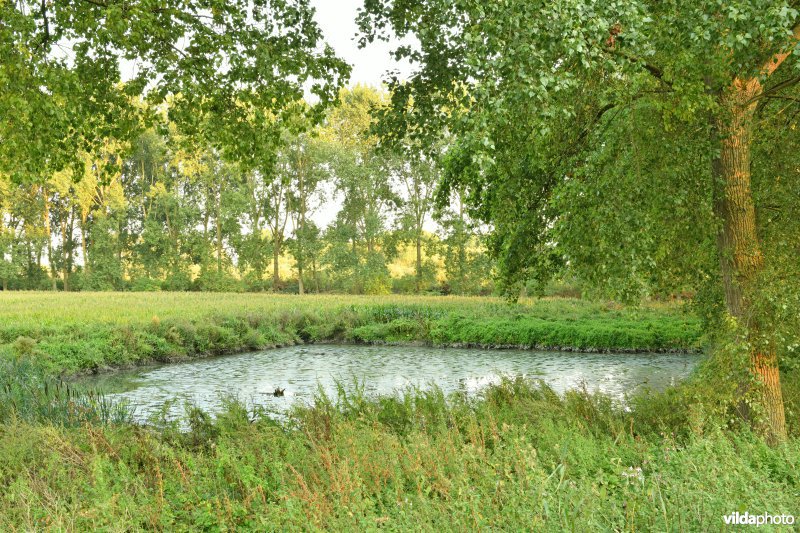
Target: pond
(301, 370)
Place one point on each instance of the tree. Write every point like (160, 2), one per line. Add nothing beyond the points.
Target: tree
(269, 49)
(306, 166)
(251, 245)
(466, 265)
(419, 178)
(532, 109)
(277, 212)
(6, 235)
(364, 176)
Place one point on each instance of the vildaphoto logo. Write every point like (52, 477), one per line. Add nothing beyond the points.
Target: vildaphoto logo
(747, 519)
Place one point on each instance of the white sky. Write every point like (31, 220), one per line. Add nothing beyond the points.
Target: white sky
(337, 18)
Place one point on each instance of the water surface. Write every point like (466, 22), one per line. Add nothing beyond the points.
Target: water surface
(300, 370)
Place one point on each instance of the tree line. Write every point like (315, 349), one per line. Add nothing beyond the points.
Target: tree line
(169, 212)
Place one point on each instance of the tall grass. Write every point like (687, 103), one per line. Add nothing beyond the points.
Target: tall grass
(520, 457)
(29, 394)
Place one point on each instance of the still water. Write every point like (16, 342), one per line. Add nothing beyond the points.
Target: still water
(302, 370)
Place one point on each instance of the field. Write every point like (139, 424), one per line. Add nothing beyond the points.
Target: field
(69, 333)
(517, 457)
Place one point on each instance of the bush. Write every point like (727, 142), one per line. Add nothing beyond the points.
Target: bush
(145, 284)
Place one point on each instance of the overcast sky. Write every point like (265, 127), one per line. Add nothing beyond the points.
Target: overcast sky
(337, 18)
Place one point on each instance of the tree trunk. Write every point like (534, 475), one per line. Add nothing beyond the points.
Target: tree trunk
(419, 261)
(64, 245)
(300, 230)
(315, 274)
(300, 287)
(53, 271)
(276, 255)
(84, 246)
(48, 230)
(219, 231)
(739, 248)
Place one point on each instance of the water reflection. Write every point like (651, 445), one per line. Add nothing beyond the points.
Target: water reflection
(252, 377)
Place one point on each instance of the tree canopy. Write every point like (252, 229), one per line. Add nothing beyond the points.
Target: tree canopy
(623, 140)
(80, 67)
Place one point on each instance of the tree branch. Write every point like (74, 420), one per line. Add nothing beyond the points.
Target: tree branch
(767, 93)
(655, 71)
(46, 37)
(772, 64)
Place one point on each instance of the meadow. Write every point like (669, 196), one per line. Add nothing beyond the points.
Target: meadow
(516, 457)
(89, 332)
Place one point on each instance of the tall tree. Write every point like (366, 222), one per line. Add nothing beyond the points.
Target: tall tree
(532, 108)
(364, 176)
(306, 164)
(419, 179)
(228, 60)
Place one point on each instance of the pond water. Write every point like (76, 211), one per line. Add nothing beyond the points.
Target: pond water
(301, 370)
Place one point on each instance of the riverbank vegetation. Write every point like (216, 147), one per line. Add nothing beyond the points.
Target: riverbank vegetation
(88, 332)
(645, 151)
(519, 457)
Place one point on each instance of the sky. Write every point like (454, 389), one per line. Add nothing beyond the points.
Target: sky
(337, 18)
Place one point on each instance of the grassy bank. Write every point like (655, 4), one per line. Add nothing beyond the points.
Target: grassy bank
(69, 333)
(518, 458)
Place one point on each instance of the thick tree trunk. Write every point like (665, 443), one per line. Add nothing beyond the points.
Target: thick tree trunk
(739, 248)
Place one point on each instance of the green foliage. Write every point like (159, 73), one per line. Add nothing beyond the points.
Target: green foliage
(270, 49)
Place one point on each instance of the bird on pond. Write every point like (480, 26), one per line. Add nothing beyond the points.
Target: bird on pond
(278, 391)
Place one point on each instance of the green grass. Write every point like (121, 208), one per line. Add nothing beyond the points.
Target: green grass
(519, 458)
(69, 333)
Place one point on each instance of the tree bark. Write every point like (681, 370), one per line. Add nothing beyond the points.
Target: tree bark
(64, 248)
(84, 245)
(276, 255)
(315, 275)
(48, 231)
(300, 286)
(419, 260)
(741, 259)
(219, 230)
